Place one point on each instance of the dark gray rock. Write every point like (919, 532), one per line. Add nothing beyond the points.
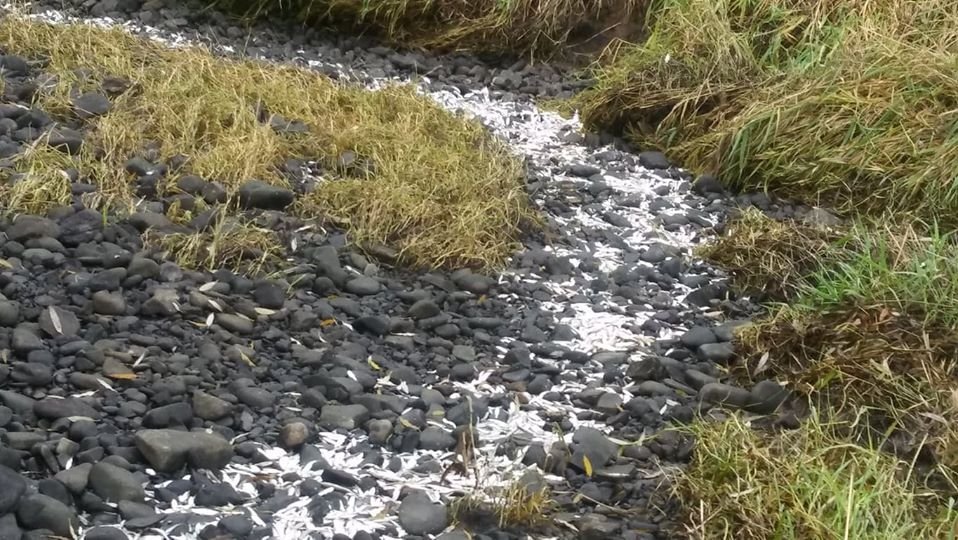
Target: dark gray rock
(43, 512)
(75, 478)
(238, 525)
(168, 450)
(363, 286)
(343, 416)
(293, 435)
(766, 397)
(55, 408)
(91, 104)
(210, 407)
(105, 533)
(724, 394)
(107, 303)
(592, 443)
(26, 226)
(114, 484)
(9, 529)
(434, 438)
(720, 353)
(420, 516)
(474, 283)
(269, 295)
(174, 414)
(654, 160)
(12, 488)
(379, 431)
(256, 398)
(257, 194)
(423, 309)
(698, 336)
(9, 313)
(25, 340)
(32, 373)
(234, 323)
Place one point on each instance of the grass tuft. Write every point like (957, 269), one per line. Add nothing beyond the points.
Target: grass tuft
(844, 103)
(230, 244)
(440, 190)
(806, 483)
(770, 257)
(518, 506)
(534, 26)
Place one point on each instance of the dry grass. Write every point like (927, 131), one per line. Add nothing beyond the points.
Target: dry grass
(233, 244)
(898, 375)
(443, 192)
(869, 337)
(770, 257)
(845, 103)
(39, 182)
(514, 507)
(511, 26)
(802, 484)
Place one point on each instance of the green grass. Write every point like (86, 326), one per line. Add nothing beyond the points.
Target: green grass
(809, 483)
(442, 191)
(865, 321)
(511, 26)
(844, 103)
(896, 266)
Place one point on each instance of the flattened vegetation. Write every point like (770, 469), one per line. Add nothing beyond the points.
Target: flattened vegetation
(435, 187)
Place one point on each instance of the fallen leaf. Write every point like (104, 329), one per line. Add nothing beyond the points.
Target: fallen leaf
(327, 322)
(123, 376)
(587, 465)
(407, 424)
(55, 318)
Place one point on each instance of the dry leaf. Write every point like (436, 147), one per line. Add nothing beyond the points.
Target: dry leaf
(587, 465)
(372, 363)
(55, 318)
(762, 362)
(207, 286)
(327, 322)
(247, 359)
(123, 376)
(407, 424)
(265, 311)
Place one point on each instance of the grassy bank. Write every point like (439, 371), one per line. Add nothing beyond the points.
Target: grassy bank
(501, 26)
(844, 103)
(435, 187)
(806, 483)
(862, 327)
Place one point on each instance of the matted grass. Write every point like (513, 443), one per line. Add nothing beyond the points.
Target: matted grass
(870, 327)
(839, 102)
(802, 484)
(511, 26)
(768, 257)
(442, 191)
